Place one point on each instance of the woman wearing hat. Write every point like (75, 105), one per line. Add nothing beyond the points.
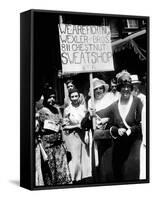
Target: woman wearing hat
(100, 89)
(125, 129)
(102, 140)
(55, 167)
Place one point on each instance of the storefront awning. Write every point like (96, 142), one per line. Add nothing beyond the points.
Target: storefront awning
(129, 42)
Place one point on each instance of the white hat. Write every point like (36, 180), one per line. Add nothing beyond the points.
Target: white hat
(135, 79)
(98, 83)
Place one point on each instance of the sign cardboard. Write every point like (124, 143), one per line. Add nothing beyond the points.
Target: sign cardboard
(85, 48)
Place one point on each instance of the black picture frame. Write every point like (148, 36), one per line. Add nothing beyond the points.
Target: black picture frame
(40, 62)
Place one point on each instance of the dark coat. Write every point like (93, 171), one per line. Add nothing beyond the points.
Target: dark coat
(125, 150)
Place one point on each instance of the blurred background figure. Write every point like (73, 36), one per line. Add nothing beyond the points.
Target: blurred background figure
(113, 94)
(137, 88)
(137, 92)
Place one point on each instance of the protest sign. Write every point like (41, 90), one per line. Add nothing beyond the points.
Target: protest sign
(85, 48)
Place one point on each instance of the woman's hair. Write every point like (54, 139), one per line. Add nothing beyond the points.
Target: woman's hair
(69, 81)
(113, 80)
(72, 91)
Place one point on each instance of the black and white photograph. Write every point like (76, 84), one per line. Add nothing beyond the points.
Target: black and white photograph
(87, 82)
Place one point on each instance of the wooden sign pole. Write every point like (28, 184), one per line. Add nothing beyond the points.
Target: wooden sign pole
(92, 100)
(94, 145)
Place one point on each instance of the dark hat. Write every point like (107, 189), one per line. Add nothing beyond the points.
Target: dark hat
(124, 78)
(48, 91)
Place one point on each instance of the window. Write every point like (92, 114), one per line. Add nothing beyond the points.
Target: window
(132, 23)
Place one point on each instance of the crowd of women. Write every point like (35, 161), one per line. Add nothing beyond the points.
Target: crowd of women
(91, 142)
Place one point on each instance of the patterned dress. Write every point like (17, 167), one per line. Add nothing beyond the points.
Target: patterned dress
(55, 170)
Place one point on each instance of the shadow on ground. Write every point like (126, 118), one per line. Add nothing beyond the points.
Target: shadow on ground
(15, 182)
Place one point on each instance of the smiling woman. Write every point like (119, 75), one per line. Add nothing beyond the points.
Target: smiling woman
(62, 130)
(125, 116)
(74, 138)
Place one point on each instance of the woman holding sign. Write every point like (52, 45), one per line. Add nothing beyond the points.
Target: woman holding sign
(55, 167)
(101, 166)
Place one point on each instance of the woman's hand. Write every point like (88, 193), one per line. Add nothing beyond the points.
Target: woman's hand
(86, 137)
(121, 131)
(66, 122)
(39, 138)
(92, 112)
(69, 127)
(104, 120)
